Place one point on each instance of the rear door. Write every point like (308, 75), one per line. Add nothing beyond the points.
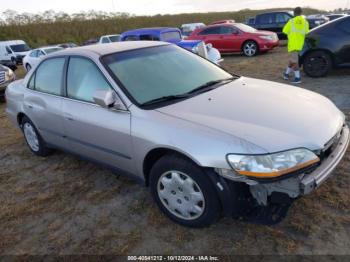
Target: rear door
(230, 39)
(43, 101)
(211, 35)
(94, 132)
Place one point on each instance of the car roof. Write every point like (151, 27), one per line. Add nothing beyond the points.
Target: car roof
(111, 48)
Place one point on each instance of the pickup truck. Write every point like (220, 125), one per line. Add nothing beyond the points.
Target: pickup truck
(174, 36)
(273, 21)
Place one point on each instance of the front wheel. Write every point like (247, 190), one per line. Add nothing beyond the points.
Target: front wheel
(183, 192)
(317, 64)
(250, 48)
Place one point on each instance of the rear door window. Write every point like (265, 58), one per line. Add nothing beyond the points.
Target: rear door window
(48, 76)
(227, 30)
(105, 40)
(211, 31)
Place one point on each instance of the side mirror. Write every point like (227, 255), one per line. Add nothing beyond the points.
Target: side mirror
(235, 33)
(108, 99)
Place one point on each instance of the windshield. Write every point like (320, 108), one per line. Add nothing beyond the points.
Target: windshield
(170, 36)
(246, 28)
(20, 48)
(114, 38)
(53, 49)
(151, 73)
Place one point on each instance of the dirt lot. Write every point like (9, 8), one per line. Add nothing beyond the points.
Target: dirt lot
(63, 205)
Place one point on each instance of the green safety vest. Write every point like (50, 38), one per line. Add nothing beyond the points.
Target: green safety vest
(296, 30)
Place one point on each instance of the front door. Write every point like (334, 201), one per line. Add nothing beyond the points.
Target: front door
(94, 132)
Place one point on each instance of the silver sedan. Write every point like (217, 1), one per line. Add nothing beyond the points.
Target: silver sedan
(202, 139)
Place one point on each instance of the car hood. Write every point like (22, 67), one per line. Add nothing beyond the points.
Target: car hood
(273, 116)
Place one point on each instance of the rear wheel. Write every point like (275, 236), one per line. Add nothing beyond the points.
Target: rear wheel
(34, 141)
(250, 48)
(317, 64)
(183, 192)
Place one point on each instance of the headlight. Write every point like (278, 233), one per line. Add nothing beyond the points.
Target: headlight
(9, 75)
(272, 165)
(266, 37)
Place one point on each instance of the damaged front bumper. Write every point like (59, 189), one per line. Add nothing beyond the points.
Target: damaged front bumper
(292, 186)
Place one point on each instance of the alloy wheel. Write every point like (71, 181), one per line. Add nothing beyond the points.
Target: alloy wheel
(250, 49)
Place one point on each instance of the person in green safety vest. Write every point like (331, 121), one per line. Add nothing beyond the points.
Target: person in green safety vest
(296, 30)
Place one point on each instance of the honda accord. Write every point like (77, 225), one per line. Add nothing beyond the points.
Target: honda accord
(181, 125)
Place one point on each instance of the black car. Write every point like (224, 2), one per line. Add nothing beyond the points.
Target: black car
(273, 21)
(316, 20)
(335, 16)
(326, 47)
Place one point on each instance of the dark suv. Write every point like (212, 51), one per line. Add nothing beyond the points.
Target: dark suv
(273, 21)
(327, 46)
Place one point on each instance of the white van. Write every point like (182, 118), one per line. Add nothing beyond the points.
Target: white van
(13, 50)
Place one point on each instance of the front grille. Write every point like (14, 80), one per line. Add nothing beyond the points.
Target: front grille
(2, 77)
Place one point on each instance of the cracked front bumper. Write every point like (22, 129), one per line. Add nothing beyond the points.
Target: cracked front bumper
(302, 183)
(324, 171)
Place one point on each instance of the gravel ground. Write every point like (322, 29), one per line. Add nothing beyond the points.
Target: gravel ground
(63, 205)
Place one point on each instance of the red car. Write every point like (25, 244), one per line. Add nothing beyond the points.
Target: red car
(236, 37)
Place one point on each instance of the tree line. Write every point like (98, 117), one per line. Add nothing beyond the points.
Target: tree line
(52, 27)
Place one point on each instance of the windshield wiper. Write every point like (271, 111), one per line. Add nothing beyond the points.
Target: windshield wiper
(165, 99)
(205, 86)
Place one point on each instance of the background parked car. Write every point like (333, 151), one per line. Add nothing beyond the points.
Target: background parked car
(316, 20)
(225, 21)
(106, 39)
(236, 37)
(68, 45)
(335, 16)
(173, 35)
(34, 57)
(13, 50)
(6, 77)
(91, 41)
(326, 47)
(187, 29)
(272, 21)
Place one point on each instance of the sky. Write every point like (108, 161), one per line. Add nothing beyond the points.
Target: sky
(151, 7)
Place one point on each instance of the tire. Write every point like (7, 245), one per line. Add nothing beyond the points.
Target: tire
(250, 48)
(183, 192)
(33, 139)
(28, 67)
(317, 64)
